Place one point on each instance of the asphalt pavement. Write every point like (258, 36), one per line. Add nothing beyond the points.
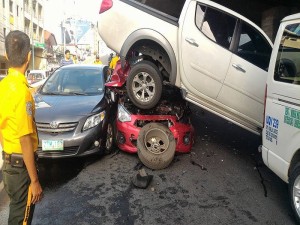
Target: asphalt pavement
(222, 181)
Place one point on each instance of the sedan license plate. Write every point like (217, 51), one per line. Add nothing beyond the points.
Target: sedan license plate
(52, 145)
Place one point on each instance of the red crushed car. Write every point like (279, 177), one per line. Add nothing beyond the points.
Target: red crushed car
(174, 115)
(156, 133)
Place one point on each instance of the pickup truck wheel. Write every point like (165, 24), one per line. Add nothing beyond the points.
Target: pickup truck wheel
(156, 146)
(294, 191)
(144, 85)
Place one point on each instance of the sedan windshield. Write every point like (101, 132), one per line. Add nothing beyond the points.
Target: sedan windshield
(74, 81)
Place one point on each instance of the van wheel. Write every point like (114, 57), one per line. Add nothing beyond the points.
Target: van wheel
(144, 85)
(156, 146)
(294, 191)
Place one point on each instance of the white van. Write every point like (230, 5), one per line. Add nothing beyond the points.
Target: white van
(281, 133)
(36, 75)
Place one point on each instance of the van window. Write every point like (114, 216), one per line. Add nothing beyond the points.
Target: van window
(287, 67)
(253, 47)
(216, 25)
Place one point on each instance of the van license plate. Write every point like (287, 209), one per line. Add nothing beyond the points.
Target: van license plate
(52, 145)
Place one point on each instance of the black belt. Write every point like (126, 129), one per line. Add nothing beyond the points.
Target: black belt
(14, 159)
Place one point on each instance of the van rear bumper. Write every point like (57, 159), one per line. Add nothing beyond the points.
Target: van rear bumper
(264, 153)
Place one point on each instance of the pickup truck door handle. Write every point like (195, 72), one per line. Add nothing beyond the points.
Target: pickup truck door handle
(192, 41)
(238, 67)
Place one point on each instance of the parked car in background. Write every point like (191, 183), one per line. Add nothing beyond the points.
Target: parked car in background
(281, 133)
(74, 113)
(35, 86)
(36, 75)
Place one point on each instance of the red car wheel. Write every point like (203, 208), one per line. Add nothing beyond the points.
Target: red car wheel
(156, 146)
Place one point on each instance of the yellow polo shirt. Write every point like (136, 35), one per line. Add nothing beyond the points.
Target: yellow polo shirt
(17, 112)
(113, 62)
(97, 62)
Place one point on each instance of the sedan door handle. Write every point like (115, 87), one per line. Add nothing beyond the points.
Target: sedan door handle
(239, 68)
(192, 41)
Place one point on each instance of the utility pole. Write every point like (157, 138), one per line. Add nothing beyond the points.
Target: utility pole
(32, 35)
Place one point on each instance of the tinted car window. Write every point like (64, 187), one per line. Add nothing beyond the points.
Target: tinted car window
(216, 25)
(164, 6)
(253, 47)
(287, 68)
(74, 81)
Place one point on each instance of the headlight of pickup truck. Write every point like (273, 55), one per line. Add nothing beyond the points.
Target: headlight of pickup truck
(93, 120)
(123, 114)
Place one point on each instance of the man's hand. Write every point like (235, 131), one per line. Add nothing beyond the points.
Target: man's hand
(37, 192)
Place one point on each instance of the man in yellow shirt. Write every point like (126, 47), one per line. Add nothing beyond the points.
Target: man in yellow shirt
(114, 61)
(97, 61)
(18, 136)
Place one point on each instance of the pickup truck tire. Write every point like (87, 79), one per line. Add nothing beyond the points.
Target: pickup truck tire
(294, 187)
(144, 85)
(156, 146)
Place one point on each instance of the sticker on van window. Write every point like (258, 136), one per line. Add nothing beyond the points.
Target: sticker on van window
(272, 125)
(292, 117)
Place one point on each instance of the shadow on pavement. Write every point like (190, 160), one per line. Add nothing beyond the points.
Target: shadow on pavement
(55, 172)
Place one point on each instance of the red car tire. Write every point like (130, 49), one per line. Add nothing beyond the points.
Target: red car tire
(156, 146)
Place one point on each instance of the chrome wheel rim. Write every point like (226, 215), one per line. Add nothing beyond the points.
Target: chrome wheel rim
(109, 137)
(143, 87)
(296, 195)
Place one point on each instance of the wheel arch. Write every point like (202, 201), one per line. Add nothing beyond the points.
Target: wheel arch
(295, 160)
(152, 43)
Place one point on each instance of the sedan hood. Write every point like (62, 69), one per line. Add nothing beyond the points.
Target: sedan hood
(66, 108)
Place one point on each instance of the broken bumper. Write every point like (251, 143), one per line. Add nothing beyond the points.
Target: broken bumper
(127, 132)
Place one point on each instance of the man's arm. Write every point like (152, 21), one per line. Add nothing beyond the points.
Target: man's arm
(29, 160)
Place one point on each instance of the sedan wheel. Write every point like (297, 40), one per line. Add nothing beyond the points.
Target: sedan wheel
(109, 139)
(156, 146)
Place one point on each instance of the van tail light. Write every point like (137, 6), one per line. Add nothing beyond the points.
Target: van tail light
(106, 5)
(265, 102)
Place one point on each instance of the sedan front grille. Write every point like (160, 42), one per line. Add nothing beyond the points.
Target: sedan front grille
(61, 128)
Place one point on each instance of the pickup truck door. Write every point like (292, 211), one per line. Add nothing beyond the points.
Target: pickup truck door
(204, 42)
(244, 86)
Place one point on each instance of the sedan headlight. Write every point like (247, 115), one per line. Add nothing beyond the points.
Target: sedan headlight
(123, 114)
(93, 120)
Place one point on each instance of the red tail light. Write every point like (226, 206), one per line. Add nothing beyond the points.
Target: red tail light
(265, 102)
(106, 5)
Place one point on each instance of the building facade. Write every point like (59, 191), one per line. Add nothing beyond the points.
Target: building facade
(27, 16)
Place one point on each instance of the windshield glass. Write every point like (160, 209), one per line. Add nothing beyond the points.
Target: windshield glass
(74, 81)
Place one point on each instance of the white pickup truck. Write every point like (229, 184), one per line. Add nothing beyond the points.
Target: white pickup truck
(218, 58)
